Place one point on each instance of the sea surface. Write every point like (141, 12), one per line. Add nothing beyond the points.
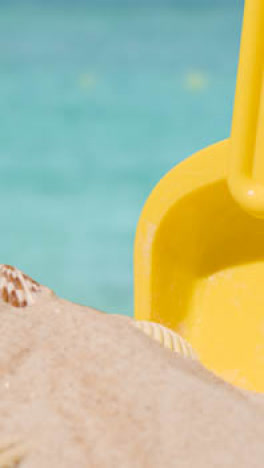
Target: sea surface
(96, 105)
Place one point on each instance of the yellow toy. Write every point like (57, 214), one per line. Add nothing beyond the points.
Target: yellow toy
(199, 251)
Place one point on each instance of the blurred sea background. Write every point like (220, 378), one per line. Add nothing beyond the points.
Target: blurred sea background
(99, 99)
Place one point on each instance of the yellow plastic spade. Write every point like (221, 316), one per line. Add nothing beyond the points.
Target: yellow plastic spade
(199, 251)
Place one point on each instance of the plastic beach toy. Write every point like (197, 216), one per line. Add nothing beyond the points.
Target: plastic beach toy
(199, 250)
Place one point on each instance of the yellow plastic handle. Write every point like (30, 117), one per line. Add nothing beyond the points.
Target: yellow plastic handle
(246, 172)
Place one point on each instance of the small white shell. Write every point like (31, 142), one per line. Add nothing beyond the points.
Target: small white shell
(16, 288)
(167, 338)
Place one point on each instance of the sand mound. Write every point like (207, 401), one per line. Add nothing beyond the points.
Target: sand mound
(89, 390)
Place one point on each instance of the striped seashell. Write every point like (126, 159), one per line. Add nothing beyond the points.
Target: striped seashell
(16, 288)
(167, 338)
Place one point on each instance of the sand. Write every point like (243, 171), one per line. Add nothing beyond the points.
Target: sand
(87, 389)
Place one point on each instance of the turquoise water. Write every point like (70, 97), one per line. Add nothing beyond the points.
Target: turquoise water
(96, 105)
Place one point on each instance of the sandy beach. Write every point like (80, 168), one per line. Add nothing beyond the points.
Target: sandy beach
(87, 389)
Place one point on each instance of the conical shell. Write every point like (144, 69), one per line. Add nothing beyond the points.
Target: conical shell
(16, 288)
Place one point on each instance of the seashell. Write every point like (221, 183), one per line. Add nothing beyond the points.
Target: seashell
(167, 338)
(16, 288)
